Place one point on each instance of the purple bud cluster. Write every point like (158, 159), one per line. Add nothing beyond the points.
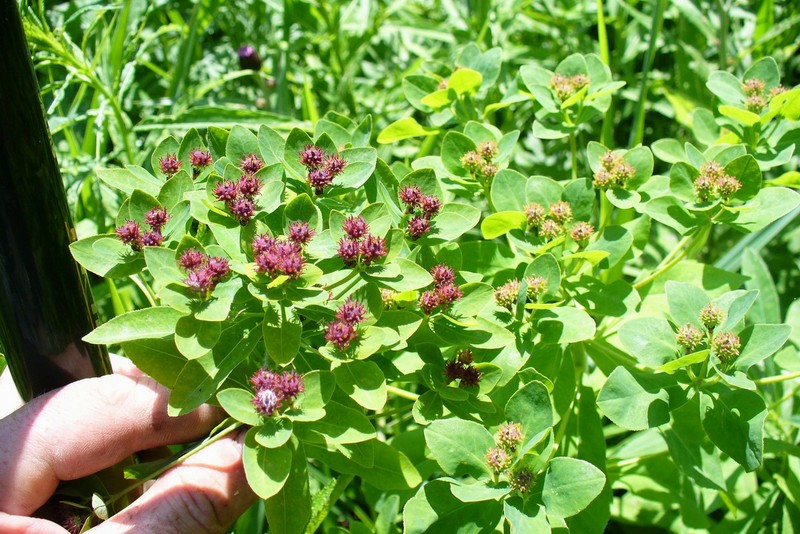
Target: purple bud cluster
(756, 98)
(274, 391)
(444, 293)
(358, 246)
(169, 165)
(461, 368)
(566, 86)
(240, 196)
(552, 222)
(422, 208)
(203, 272)
(344, 329)
(131, 233)
(322, 168)
(199, 159)
(276, 257)
(508, 438)
(479, 162)
(614, 171)
(713, 183)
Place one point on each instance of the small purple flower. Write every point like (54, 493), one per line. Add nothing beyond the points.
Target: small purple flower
(470, 376)
(191, 259)
(509, 435)
(498, 459)
(442, 274)
(319, 179)
(417, 227)
(312, 157)
(351, 312)
(340, 334)
(169, 165)
(410, 195)
(199, 159)
(153, 238)
(428, 301)
(226, 191)
(130, 234)
(156, 218)
(300, 232)
(334, 165)
(348, 251)
(373, 248)
(274, 390)
(267, 262)
(355, 227)
(448, 294)
(249, 186)
(218, 267)
(263, 243)
(243, 210)
(291, 384)
(249, 58)
(251, 164)
(201, 281)
(430, 205)
(292, 264)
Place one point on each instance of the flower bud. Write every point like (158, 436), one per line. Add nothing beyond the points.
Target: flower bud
(488, 151)
(581, 232)
(249, 58)
(753, 87)
(549, 229)
(537, 286)
(726, 346)
(727, 186)
(535, 214)
(498, 459)
(689, 337)
(509, 436)
(472, 161)
(561, 212)
(506, 295)
(711, 316)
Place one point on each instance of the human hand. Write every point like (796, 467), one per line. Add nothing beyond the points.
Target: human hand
(95, 423)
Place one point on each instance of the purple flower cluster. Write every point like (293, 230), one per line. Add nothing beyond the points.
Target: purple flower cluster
(359, 246)
(551, 222)
(322, 168)
(713, 183)
(203, 272)
(343, 330)
(479, 161)
(131, 233)
(240, 196)
(422, 209)
(461, 368)
(274, 391)
(169, 165)
(444, 293)
(200, 159)
(282, 256)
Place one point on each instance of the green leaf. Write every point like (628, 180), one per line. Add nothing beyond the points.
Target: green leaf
(363, 382)
(274, 432)
(459, 446)
(282, 334)
(158, 358)
(289, 510)
(400, 275)
(105, 255)
(768, 205)
(266, 469)
(635, 400)
(650, 340)
(765, 69)
(479, 332)
(340, 425)
(726, 86)
(746, 169)
(454, 146)
(570, 485)
(565, 325)
(361, 164)
(760, 341)
(237, 402)
(319, 388)
(195, 338)
(685, 302)
(531, 407)
(734, 421)
(241, 142)
(683, 361)
(670, 211)
(146, 323)
(404, 129)
(450, 223)
(499, 224)
(129, 179)
(766, 308)
(505, 189)
(464, 81)
(435, 509)
(617, 241)
(743, 116)
(525, 517)
(167, 146)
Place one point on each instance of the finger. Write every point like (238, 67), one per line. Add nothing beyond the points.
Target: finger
(82, 428)
(204, 494)
(12, 524)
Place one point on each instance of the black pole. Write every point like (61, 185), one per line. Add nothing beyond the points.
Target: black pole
(45, 299)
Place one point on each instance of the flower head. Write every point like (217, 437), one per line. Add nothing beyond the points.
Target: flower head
(509, 436)
(428, 301)
(249, 186)
(274, 390)
(448, 294)
(226, 191)
(349, 250)
(156, 218)
(169, 165)
(191, 259)
(562, 86)
(581, 232)
(372, 248)
(334, 164)
(251, 164)
(603, 179)
(218, 267)
(443, 274)
(472, 161)
(535, 214)
(506, 295)
(537, 286)
(726, 346)
(319, 179)
(312, 157)
(430, 205)
(522, 480)
(498, 459)
(131, 234)
(705, 187)
(417, 227)
(249, 58)
(689, 337)
(340, 334)
(153, 238)
(549, 229)
(728, 186)
(753, 87)
(355, 227)
(410, 195)
(351, 312)
(199, 159)
(488, 150)
(561, 212)
(755, 103)
(300, 232)
(711, 316)
(243, 209)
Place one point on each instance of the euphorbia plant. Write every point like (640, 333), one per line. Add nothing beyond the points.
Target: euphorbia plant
(362, 319)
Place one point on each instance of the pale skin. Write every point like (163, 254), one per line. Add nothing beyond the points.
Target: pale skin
(95, 423)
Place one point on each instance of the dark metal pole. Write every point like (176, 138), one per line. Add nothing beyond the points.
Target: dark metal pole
(45, 300)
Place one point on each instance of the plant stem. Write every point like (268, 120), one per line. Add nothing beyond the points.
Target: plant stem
(777, 378)
(573, 148)
(723, 29)
(402, 393)
(678, 253)
(637, 133)
(145, 289)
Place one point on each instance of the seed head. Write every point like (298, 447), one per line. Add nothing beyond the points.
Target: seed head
(169, 165)
(561, 212)
(711, 316)
(506, 295)
(251, 164)
(581, 232)
(443, 274)
(549, 229)
(509, 436)
(417, 227)
(355, 227)
(351, 312)
(562, 86)
(465, 356)
(488, 151)
(535, 214)
(340, 334)
(498, 459)
(726, 346)
(372, 248)
(689, 337)
(537, 286)
(312, 157)
(410, 195)
(300, 232)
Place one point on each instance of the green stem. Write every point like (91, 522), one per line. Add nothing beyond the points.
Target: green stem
(688, 243)
(353, 273)
(637, 133)
(602, 35)
(573, 148)
(777, 378)
(212, 439)
(145, 289)
(723, 29)
(402, 393)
